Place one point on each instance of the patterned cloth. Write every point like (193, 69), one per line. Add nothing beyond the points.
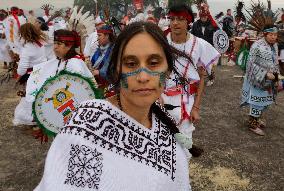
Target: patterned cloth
(257, 90)
(102, 148)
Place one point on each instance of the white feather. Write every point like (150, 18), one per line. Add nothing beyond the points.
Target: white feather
(79, 14)
(84, 16)
(74, 13)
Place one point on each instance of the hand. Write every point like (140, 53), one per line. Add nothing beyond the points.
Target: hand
(270, 76)
(96, 72)
(194, 114)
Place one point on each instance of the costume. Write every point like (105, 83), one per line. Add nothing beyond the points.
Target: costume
(31, 55)
(102, 148)
(49, 69)
(258, 91)
(182, 97)
(12, 27)
(4, 48)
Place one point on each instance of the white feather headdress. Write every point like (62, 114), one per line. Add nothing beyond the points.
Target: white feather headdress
(83, 24)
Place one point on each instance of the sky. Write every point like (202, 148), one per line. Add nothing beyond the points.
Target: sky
(215, 5)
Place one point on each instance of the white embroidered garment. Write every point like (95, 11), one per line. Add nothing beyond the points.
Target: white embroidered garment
(104, 149)
(202, 54)
(48, 69)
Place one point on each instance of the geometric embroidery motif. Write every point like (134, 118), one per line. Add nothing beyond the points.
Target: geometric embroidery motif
(104, 126)
(84, 167)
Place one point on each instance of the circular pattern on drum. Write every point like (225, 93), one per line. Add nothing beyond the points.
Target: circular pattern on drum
(59, 97)
(221, 41)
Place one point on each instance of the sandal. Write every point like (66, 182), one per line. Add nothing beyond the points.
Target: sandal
(255, 126)
(257, 131)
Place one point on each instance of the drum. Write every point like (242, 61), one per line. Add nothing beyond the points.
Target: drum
(59, 97)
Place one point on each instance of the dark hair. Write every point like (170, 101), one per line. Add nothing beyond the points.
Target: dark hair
(181, 8)
(171, 54)
(43, 26)
(30, 33)
(228, 10)
(127, 34)
(268, 26)
(63, 32)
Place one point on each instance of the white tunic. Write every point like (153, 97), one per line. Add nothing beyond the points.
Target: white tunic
(104, 149)
(202, 54)
(12, 33)
(30, 55)
(4, 47)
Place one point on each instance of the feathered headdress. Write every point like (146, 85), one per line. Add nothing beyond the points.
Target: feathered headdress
(239, 11)
(84, 24)
(47, 7)
(81, 24)
(55, 15)
(260, 16)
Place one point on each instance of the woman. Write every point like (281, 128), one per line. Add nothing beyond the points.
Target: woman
(32, 53)
(125, 142)
(40, 24)
(65, 44)
(101, 57)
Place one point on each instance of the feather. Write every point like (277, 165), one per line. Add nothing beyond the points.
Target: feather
(74, 12)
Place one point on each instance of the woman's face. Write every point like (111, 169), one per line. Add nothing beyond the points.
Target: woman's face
(61, 49)
(103, 39)
(271, 38)
(144, 69)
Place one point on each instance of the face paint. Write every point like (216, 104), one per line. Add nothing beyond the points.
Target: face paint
(124, 76)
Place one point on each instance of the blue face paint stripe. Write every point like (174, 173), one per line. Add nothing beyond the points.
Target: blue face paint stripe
(124, 76)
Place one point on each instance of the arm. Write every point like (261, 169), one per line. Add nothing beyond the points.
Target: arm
(197, 100)
(24, 62)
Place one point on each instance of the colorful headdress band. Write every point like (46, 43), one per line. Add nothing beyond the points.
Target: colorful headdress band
(273, 29)
(68, 39)
(104, 31)
(184, 14)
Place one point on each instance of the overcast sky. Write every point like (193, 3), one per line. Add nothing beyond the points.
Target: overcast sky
(215, 5)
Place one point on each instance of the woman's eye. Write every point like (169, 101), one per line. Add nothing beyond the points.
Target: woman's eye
(154, 62)
(130, 64)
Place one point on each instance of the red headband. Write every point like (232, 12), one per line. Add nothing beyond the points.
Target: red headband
(69, 40)
(104, 31)
(184, 14)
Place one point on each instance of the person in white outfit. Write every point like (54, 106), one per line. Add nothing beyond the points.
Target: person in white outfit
(126, 142)
(32, 53)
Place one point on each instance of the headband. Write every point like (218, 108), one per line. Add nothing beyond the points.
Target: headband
(273, 29)
(184, 14)
(69, 39)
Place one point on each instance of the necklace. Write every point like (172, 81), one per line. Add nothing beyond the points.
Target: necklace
(121, 108)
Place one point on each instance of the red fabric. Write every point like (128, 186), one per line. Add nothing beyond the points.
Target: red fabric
(104, 31)
(17, 19)
(184, 14)
(38, 43)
